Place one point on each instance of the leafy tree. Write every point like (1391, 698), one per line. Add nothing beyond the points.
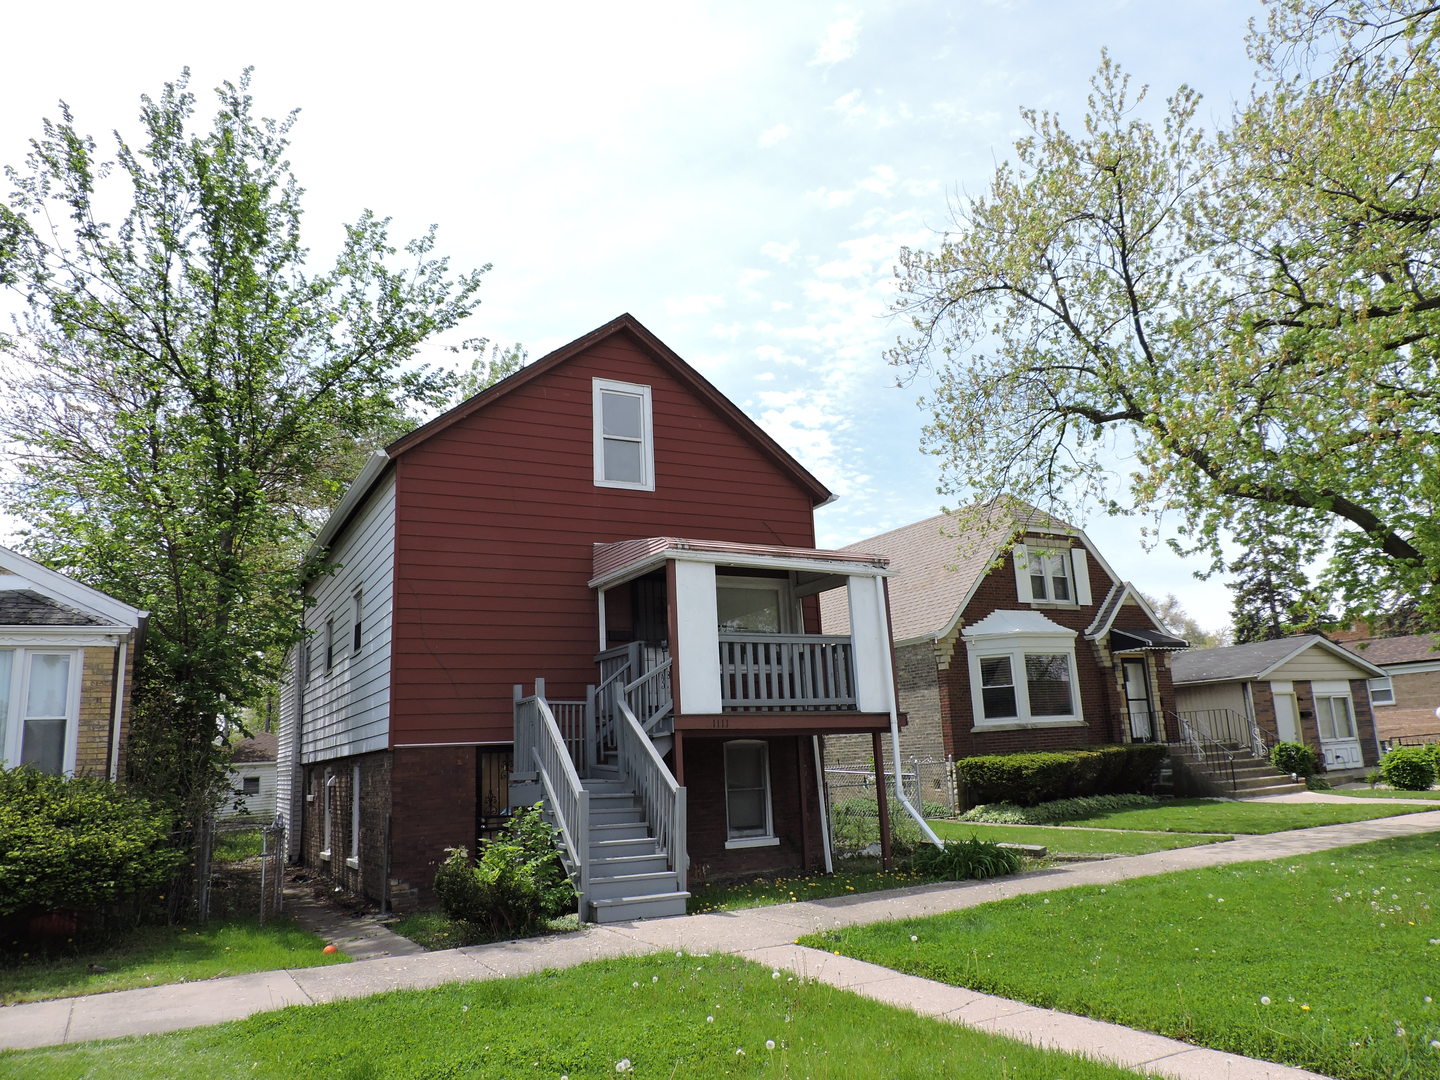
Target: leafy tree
(1175, 618)
(1251, 317)
(189, 397)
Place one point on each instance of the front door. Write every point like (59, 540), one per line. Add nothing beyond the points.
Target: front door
(1285, 725)
(1139, 707)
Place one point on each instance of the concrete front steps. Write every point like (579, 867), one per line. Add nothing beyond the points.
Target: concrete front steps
(629, 874)
(1255, 777)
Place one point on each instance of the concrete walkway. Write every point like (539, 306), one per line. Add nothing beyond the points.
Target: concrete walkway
(766, 935)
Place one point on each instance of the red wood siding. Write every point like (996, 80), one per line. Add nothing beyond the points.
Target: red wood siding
(496, 516)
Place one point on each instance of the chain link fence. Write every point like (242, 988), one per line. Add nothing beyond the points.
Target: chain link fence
(253, 880)
(854, 814)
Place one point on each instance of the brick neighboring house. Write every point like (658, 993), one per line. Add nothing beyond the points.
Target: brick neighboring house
(1295, 689)
(1014, 634)
(595, 582)
(67, 653)
(1406, 696)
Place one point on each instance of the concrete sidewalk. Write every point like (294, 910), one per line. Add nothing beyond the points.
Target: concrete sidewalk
(766, 935)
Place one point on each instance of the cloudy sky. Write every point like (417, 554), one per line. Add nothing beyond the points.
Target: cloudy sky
(738, 175)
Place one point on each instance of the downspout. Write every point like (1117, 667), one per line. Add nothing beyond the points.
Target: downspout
(895, 718)
(119, 714)
(824, 810)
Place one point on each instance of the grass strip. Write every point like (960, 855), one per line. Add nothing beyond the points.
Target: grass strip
(1328, 961)
(1384, 793)
(152, 955)
(1065, 840)
(851, 876)
(432, 930)
(659, 1016)
(1251, 818)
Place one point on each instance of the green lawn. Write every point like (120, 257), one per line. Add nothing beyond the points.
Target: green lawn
(858, 875)
(151, 955)
(1066, 840)
(1385, 793)
(1329, 961)
(647, 1017)
(1215, 816)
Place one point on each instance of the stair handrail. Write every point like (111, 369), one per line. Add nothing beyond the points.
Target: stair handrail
(650, 699)
(662, 799)
(1208, 750)
(567, 803)
(1259, 745)
(604, 696)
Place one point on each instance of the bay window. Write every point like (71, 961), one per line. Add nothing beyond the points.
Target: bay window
(1022, 671)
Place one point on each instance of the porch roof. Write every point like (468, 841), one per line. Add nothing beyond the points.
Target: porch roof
(624, 559)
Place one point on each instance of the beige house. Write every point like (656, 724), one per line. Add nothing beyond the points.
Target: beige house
(67, 652)
(1296, 689)
(1407, 695)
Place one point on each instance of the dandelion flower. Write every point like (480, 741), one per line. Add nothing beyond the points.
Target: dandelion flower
(709, 1019)
(914, 937)
(775, 974)
(1264, 999)
(624, 1066)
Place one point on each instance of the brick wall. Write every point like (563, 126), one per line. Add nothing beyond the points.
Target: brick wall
(433, 790)
(922, 736)
(1364, 721)
(366, 875)
(793, 806)
(97, 709)
(1416, 698)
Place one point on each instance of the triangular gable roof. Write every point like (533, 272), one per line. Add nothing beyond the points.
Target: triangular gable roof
(1255, 660)
(938, 567)
(27, 575)
(623, 324)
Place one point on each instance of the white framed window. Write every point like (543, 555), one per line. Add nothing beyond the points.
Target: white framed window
(624, 444)
(329, 644)
(357, 621)
(1022, 671)
(1382, 691)
(353, 859)
(249, 785)
(327, 814)
(754, 605)
(1334, 717)
(748, 821)
(40, 708)
(1051, 575)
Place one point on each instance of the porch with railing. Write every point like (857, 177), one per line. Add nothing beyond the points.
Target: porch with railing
(786, 672)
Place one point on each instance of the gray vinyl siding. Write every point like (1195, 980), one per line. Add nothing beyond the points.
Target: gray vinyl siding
(287, 764)
(1211, 696)
(347, 710)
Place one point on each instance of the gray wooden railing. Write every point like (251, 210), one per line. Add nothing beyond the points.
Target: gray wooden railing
(651, 699)
(661, 797)
(540, 746)
(784, 672)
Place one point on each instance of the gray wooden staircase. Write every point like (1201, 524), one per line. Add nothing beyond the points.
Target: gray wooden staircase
(629, 874)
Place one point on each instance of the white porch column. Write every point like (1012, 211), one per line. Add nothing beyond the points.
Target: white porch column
(697, 652)
(871, 643)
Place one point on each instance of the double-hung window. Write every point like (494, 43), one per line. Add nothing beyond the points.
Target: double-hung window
(1022, 671)
(747, 794)
(624, 444)
(1051, 575)
(1333, 717)
(39, 714)
(1382, 691)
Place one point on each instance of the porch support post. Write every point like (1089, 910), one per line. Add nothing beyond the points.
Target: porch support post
(882, 800)
(807, 818)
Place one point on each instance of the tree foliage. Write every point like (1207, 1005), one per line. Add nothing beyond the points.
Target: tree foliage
(1176, 619)
(189, 396)
(1250, 317)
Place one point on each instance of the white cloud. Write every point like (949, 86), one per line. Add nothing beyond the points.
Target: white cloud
(829, 198)
(774, 135)
(781, 253)
(839, 41)
(881, 180)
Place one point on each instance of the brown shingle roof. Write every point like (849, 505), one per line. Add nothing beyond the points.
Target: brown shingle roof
(937, 563)
(1410, 649)
(262, 746)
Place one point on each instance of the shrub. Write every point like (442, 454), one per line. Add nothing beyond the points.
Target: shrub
(936, 810)
(1318, 783)
(1033, 778)
(1409, 768)
(855, 825)
(1294, 758)
(76, 844)
(963, 860)
(516, 883)
(1052, 812)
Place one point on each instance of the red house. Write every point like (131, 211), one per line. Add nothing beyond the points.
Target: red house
(594, 583)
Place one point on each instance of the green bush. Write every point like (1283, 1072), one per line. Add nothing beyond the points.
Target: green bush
(1033, 778)
(1294, 758)
(963, 860)
(516, 883)
(1409, 768)
(1318, 783)
(76, 844)
(855, 825)
(1052, 812)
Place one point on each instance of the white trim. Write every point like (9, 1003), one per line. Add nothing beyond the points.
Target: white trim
(12, 749)
(1388, 688)
(766, 838)
(100, 637)
(354, 495)
(353, 859)
(646, 438)
(118, 717)
(1015, 635)
(752, 841)
(758, 562)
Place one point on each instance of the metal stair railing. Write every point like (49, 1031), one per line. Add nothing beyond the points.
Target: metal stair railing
(660, 795)
(1217, 758)
(540, 745)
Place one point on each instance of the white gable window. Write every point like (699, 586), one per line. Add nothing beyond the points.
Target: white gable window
(1022, 671)
(39, 708)
(1382, 691)
(1051, 575)
(624, 441)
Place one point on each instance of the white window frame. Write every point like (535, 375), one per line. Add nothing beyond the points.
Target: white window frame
(1016, 647)
(12, 743)
(1329, 694)
(327, 806)
(734, 839)
(1054, 561)
(601, 387)
(784, 587)
(353, 859)
(1384, 685)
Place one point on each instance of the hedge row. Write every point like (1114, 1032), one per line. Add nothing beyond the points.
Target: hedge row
(1032, 778)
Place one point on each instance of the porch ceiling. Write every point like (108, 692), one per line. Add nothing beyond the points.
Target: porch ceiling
(625, 559)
